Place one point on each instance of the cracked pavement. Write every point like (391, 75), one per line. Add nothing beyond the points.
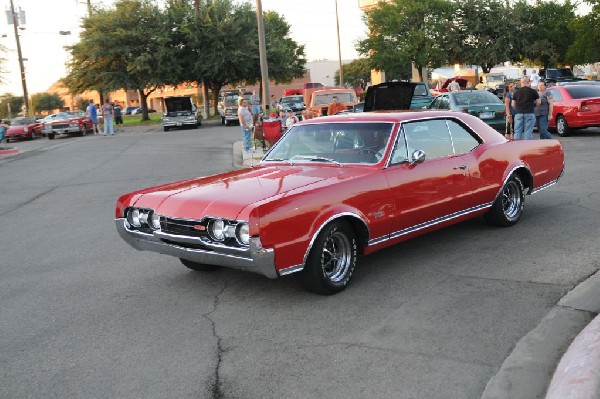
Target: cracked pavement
(85, 315)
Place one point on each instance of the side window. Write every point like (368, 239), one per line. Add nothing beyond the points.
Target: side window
(462, 139)
(444, 103)
(430, 136)
(400, 153)
(435, 104)
(555, 95)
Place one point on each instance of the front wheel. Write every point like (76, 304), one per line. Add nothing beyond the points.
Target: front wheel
(51, 136)
(562, 127)
(508, 207)
(331, 260)
(198, 267)
(33, 135)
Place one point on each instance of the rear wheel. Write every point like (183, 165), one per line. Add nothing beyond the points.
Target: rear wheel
(33, 135)
(199, 267)
(83, 131)
(226, 122)
(562, 127)
(508, 207)
(331, 260)
(51, 136)
(222, 120)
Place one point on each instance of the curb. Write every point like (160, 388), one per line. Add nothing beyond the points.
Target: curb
(526, 373)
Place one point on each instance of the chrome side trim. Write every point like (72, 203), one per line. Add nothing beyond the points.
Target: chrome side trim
(290, 270)
(549, 184)
(428, 224)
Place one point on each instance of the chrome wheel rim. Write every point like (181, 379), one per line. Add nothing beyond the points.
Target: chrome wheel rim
(336, 257)
(560, 125)
(511, 200)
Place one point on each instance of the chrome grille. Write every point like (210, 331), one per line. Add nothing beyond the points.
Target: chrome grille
(191, 228)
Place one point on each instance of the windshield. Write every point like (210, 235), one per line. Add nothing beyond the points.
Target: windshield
(322, 99)
(20, 121)
(292, 100)
(559, 73)
(476, 97)
(584, 91)
(495, 78)
(339, 143)
(420, 90)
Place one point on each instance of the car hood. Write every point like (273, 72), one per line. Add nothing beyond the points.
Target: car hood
(226, 195)
(389, 96)
(15, 129)
(176, 104)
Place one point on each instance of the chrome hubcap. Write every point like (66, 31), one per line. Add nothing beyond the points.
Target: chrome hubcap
(336, 257)
(511, 200)
(560, 125)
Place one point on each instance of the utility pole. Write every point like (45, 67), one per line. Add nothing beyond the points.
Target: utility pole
(337, 22)
(262, 49)
(20, 54)
(205, 99)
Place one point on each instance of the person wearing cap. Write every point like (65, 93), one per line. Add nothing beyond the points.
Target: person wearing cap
(336, 106)
(291, 118)
(272, 117)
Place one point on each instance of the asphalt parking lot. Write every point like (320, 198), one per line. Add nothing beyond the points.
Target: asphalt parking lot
(85, 315)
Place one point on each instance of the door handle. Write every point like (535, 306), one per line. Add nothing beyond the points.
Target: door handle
(461, 167)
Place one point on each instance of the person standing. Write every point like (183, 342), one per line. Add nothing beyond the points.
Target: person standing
(107, 113)
(291, 118)
(454, 86)
(510, 111)
(535, 79)
(543, 112)
(256, 108)
(524, 102)
(92, 112)
(118, 113)
(245, 117)
(335, 106)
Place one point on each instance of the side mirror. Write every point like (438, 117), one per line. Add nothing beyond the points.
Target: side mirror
(417, 156)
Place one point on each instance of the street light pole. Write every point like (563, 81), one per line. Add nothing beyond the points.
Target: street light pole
(21, 65)
(262, 49)
(337, 22)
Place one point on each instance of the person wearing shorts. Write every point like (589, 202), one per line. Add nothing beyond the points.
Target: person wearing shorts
(118, 114)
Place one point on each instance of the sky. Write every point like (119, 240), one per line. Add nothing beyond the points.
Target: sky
(312, 24)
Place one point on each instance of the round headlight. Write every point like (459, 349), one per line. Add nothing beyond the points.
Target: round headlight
(155, 221)
(216, 229)
(134, 217)
(243, 233)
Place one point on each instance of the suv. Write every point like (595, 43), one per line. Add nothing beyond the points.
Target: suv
(553, 76)
(180, 112)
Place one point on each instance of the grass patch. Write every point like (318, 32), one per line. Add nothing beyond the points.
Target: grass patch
(136, 120)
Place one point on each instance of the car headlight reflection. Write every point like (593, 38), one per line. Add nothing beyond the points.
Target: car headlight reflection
(133, 216)
(143, 218)
(155, 221)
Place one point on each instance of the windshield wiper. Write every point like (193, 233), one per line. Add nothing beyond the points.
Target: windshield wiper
(315, 158)
(278, 160)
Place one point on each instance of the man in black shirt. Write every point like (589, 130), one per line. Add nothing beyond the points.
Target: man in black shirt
(524, 102)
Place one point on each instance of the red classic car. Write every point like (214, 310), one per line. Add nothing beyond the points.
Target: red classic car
(575, 107)
(69, 122)
(334, 188)
(23, 127)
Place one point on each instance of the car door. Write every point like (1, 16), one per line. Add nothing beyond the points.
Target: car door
(425, 194)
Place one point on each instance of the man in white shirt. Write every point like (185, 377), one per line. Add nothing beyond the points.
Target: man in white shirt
(454, 86)
(245, 118)
(535, 78)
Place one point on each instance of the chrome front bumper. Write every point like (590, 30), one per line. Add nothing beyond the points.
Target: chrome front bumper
(254, 259)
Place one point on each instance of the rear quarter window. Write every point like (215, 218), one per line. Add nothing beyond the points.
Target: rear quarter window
(583, 91)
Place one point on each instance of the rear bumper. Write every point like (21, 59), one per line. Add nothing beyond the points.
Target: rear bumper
(584, 119)
(254, 259)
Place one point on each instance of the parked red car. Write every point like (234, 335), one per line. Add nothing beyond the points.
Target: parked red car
(23, 127)
(575, 107)
(334, 188)
(69, 122)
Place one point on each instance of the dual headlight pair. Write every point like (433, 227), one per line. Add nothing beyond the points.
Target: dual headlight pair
(220, 230)
(143, 217)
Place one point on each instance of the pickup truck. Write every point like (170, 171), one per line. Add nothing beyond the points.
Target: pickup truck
(552, 76)
(320, 100)
(492, 82)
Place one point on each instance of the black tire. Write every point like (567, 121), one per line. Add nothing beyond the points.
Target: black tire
(331, 260)
(51, 136)
(222, 120)
(83, 131)
(226, 123)
(562, 127)
(166, 129)
(198, 267)
(33, 135)
(508, 207)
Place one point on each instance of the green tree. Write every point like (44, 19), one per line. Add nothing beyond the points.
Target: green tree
(585, 48)
(46, 102)
(10, 102)
(545, 29)
(357, 72)
(404, 31)
(122, 48)
(483, 33)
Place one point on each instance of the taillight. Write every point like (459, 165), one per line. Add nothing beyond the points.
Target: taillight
(584, 107)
